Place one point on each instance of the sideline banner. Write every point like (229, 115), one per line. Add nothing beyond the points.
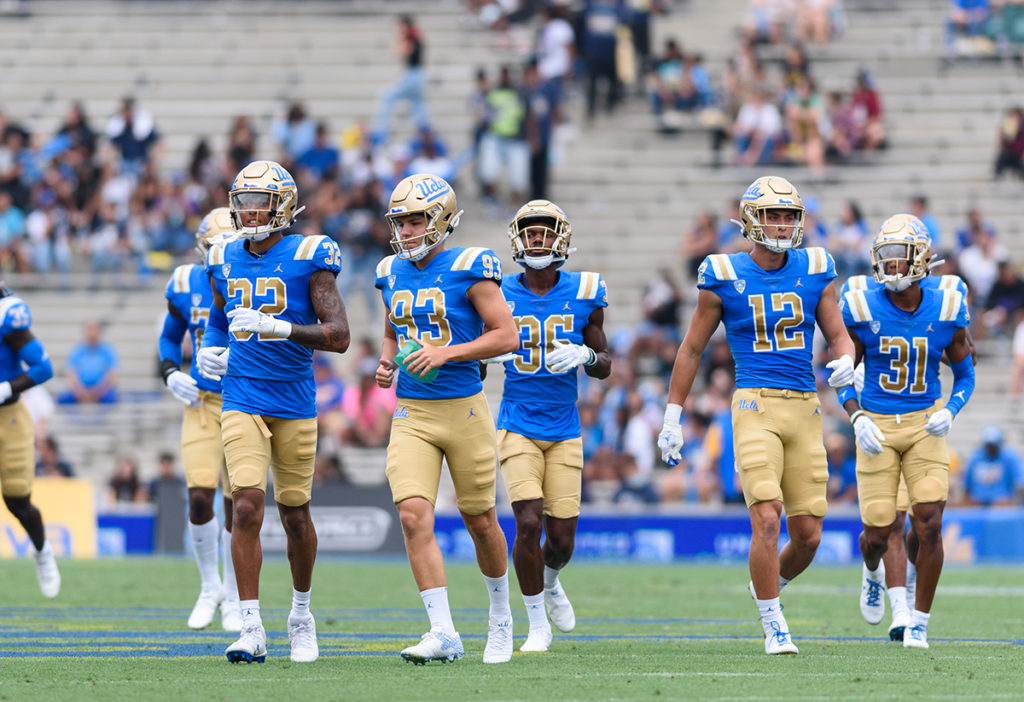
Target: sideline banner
(68, 506)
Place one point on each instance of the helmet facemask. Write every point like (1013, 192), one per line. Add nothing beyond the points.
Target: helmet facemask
(553, 248)
(899, 261)
(755, 221)
(258, 201)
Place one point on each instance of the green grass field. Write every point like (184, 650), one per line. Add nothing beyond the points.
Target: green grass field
(117, 632)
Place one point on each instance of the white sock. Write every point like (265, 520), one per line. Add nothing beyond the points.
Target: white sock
(46, 550)
(875, 574)
(436, 602)
(535, 612)
(205, 542)
(230, 584)
(251, 613)
(783, 582)
(911, 572)
(919, 618)
(550, 578)
(300, 604)
(898, 598)
(497, 590)
(770, 610)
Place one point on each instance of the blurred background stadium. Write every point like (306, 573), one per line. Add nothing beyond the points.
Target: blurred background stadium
(123, 123)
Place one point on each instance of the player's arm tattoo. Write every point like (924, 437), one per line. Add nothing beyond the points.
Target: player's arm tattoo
(594, 337)
(332, 333)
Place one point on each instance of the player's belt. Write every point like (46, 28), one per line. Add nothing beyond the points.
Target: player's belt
(783, 392)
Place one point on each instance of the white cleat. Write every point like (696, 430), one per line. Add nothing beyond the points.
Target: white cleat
(250, 647)
(499, 640)
(538, 641)
(872, 595)
(302, 635)
(915, 637)
(46, 572)
(230, 614)
(559, 609)
(435, 646)
(777, 640)
(900, 622)
(205, 608)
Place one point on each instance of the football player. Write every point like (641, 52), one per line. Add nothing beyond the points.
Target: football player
(447, 305)
(189, 297)
(900, 573)
(24, 363)
(560, 317)
(275, 301)
(769, 300)
(901, 329)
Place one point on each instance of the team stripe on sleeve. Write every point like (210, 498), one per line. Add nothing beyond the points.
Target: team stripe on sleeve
(858, 304)
(308, 247)
(180, 278)
(817, 260)
(722, 266)
(384, 267)
(858, 282)
(464, 262)
(588, 286)
(216, 255)
(951, 303)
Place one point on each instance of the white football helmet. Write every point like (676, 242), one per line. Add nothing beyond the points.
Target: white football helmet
(217, 226)
(430, 196)
(264, 186)
(902, 238)
(771, 193)
(546, 214)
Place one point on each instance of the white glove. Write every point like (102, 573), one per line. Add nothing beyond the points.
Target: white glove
(244, 319)
(567, 356)
(869, 436)
(500, 359)
(842, 371)
(670, 438)
(5, 391)
(939, 423)
(212, 361)
(858, 378)
(183, 387)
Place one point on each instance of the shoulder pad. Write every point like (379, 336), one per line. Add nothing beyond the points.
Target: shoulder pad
(180, 282)
(952, 301)
(215, 256)
(857, 282)
(308, 246)
(857, 303)
(384, 267)
(952, 282)
(590, 286)
(817, 260)
(721, 267)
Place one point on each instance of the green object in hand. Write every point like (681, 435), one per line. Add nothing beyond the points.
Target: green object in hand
(403, 353)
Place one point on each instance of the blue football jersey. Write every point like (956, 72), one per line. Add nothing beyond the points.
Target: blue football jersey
(769, 315)
(14, 316)
(269, 375)
(902, 350)
(431, 305)
(536, 402)
(943, 282)
(190, 293)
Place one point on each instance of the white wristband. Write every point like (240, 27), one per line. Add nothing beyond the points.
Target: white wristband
(672, 413)
(282, 328)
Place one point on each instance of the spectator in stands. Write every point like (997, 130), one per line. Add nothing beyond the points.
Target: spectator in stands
(133, 132)
(994, 474)
(330, 392)
(980, 265)
(410, 50)
(76, 128)
(765, 21)
(481, 113)
(368, 407)
(49, 462)
(504, 147)
(967, 20)
(796, 65)
(241, 146)
(555, 50)
(1010, 156)
(91, 374)
(817, 19)
(661, 303)
(12, 229)
(806, 125)
(866, 104)
(729, 234)
(815, 231)
(967, 234)
(1005, 302)
(700, 241)
(918, 206)
(124, 487)
(321, 159)
(850, 241)
(295, 134)
(842, 469)
(842, 139)
(541, 117)
(168, 480)
(757, 129)
(666, 80)
(49, 234)
(600, 20)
